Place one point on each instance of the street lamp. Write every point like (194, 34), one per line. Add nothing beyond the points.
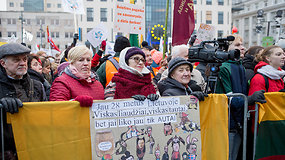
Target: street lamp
(260, 20)
(278, 19)
(21, 18)
(258, 27)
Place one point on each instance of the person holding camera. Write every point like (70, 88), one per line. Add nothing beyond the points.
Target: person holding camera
(231, 79)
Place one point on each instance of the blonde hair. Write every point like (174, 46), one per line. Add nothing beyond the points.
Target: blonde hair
(76, 52)
(267, 52)
(237, 37)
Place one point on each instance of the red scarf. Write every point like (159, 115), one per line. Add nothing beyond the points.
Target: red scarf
(129, 84)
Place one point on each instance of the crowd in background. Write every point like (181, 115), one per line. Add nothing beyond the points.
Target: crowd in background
(139, 73)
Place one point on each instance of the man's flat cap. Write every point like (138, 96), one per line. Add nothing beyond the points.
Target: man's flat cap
(13, 49)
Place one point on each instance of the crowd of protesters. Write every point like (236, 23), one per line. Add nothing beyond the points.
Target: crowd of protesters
(139, 73)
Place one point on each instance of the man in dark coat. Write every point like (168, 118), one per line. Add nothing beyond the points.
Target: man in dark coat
(16, 87)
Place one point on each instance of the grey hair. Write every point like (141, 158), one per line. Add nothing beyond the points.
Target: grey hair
(176, 50)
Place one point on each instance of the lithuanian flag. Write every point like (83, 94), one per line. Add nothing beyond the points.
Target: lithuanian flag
(270, 139)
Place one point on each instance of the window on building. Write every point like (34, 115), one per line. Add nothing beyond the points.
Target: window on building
(38, 34)
(52, 34)
(208, 2)
(11, 4)
(66, 34)
(57, 22)
(11, 33)
(70, 34)
(21, 4)
(221, 2)
(28, 21)
(9, 21)
(13, 21)
(89, 29)
(0, 34)
(265, 3)
(103, 14)
(103, 0)
(195, 1)
(48, 5)
(220, 17)
(208, 17)
(220, 33)
(120, 0)
(58, 5)
(57, 34)
(90, 14)
(112, 14)
(43, 34)
(0, 21)
(89, 0)
(40, 21)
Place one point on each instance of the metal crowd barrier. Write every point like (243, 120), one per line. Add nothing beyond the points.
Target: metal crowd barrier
(246, 115)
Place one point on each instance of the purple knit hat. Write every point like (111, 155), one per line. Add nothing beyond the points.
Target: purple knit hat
(132, 51)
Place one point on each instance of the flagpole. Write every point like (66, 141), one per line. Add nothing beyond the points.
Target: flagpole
(165, 31)
(75, 24)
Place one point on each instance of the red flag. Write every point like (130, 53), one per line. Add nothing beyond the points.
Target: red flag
(53, 46)
(183, 21)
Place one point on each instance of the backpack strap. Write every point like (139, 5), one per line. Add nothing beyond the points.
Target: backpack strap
(266, 81)
(115, 63)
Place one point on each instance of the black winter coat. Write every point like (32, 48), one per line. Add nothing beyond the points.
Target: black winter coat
(24, 93)
(249, 63)
(39, 77)
(171, 87)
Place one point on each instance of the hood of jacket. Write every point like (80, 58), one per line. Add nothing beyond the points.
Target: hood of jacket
(248, 62)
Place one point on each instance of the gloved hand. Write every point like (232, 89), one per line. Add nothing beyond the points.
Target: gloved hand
(10, 104)
(257, 96)
(200, 95)
(75, 36)
(139, 97)
(282, 90)
(85, 101)
(103, 45)
(152, 97)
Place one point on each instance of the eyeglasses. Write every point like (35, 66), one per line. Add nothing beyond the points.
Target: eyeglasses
(138, 59)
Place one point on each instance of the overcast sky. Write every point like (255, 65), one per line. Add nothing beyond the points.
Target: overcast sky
(2, 5)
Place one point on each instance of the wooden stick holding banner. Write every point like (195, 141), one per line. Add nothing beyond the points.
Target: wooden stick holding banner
(165, 31)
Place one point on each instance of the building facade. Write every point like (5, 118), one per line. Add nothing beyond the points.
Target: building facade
(38, 14)
(245, 19)
(214, 12)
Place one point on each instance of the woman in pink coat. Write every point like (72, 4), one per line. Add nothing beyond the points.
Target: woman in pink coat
(78, 81)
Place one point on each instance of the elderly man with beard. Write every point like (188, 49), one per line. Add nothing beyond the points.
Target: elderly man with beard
(16, 87)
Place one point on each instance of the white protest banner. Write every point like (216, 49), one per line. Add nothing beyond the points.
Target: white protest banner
(127, 128)
(129, 18)
(97, 35)
(72, 6)
(205, 32)
(110, 48)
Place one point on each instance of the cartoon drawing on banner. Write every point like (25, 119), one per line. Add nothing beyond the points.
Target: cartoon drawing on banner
(192, 104)
(187, 125)
(104, 141)
(191, 147)
(122, 148)
(140, 148)
(165, 155)
(133, 132)
(107, 157)
(167, 129)
(127, 156)
(175, 141)
(150, 140)
(157, 152)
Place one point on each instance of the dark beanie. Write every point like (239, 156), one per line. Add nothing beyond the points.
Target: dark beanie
(175, 62)
(121, 43)
(144, 44)
(132, 51)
